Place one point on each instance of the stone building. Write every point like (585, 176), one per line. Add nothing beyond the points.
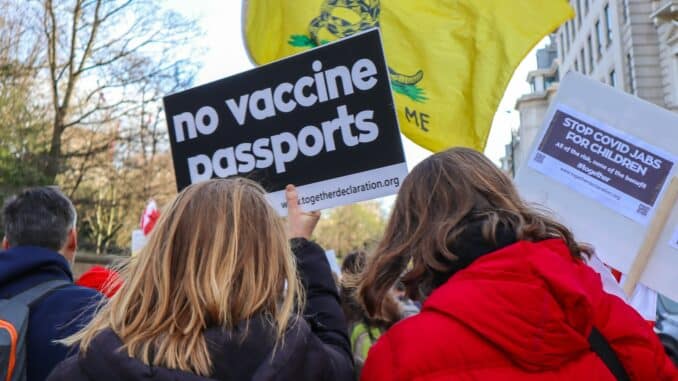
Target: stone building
(631, 45)
(628, 44)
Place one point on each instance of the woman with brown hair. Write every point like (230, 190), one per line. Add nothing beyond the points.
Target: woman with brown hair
(507, 293)
(217, 294)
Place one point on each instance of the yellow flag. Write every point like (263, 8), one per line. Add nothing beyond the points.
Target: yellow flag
(449, 61)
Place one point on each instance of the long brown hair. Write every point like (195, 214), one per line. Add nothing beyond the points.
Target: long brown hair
(432, 211)
(218, 255)
(351, 271)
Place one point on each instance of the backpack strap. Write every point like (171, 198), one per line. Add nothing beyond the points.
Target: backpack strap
(603, 349)
(35, 293)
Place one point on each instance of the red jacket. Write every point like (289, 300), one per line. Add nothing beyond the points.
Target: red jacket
(523, 312)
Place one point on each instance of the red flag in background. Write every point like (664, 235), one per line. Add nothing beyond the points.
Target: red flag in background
(643, 300)
(150, 217)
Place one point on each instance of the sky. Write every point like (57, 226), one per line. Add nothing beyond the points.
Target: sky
(225, 55)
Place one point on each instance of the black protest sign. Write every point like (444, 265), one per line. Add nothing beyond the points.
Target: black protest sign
(324, 118)
(612, 159)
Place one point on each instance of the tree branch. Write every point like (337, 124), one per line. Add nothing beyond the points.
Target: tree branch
(51, 35)
(92, 37)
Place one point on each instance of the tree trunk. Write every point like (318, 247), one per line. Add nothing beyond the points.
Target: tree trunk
(54, 157)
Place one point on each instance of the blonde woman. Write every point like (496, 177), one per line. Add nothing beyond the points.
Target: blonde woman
(216, 294)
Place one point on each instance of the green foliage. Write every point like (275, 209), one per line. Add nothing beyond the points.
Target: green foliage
(22, 124)
(414, 92)
(303, 41)
(351, 227)
(300, 40)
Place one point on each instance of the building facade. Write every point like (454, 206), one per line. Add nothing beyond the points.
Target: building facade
(631, 45)
(665, 19)
(628, 44)
(533, 106)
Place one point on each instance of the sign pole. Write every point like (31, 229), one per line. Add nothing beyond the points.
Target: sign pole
(652, 236)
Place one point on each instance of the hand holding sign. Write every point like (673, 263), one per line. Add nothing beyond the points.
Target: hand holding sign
(300, 224)
(323, 120)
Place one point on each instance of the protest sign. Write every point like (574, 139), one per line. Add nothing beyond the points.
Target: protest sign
(332, 260)
(674, 239)
(602, 162)
(323, 120)
(139, 240)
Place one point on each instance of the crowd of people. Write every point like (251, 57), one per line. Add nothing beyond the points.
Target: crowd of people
(469, 282)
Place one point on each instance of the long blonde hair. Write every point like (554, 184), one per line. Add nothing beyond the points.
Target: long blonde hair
(218, 256)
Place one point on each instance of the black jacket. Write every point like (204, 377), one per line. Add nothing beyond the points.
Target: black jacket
(316, 348)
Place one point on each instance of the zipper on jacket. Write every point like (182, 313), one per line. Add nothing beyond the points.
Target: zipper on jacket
(13, 337)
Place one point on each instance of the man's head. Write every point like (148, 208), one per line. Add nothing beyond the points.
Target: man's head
(43, 217)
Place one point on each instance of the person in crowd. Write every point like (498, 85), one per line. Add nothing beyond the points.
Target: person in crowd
(39, 246)
(363, 330)
(667, 325)
(216, 294)
(105, 280)
(507, 295)
(408, 306)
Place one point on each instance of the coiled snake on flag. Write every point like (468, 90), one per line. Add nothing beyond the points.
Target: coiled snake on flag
(368, 10)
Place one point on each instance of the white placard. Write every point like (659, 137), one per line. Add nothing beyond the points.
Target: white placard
(614, 168)
(352, 188)
(612, 217)
(674, 239)
(334, 264)
(138, 240)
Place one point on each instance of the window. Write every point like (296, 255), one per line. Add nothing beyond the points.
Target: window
(608, 23)
(675, 77)
(582, 60)
(599, 39)
(573, 30)
(577, 9)
(613, 81)
(586, 6)
(567, 36)
(625, 10)
(562, 46)
(590, 48)
(576, 65)
(629, 66)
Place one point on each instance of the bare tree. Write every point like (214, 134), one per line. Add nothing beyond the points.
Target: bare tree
(99, 56)
(81, 83)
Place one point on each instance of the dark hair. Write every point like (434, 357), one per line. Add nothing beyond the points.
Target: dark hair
(40, 216)
(351, 271)
(437, 203)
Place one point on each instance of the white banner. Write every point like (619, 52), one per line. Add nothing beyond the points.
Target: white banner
(616, 169)
(344, 190)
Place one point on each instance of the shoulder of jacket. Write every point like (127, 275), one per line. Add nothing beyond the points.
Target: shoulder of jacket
(68, 370)
(76, 294)
(71, 298)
